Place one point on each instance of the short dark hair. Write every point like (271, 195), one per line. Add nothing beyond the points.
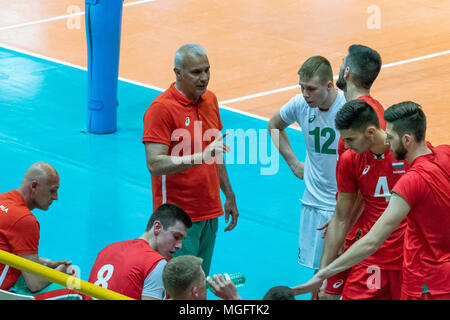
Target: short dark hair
(356, 115)
(279, 293)
(407, 117)
(364, 63)
(168, 214)
(316, 65)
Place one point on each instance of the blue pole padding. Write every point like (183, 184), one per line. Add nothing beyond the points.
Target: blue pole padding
(103, 25)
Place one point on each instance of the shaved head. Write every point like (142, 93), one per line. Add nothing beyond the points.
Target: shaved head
(40, 171)
(40, 185)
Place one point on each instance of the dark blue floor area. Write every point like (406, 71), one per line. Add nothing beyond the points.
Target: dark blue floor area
(105, 190)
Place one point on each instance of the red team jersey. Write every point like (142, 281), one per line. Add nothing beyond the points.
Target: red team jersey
(336, 282)
(341, 148)
(374, 176)
(19, 233)
(123, 267)
(426, 188)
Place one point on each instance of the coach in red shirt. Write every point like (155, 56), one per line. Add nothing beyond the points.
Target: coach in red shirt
(187, 169)
(422, 196)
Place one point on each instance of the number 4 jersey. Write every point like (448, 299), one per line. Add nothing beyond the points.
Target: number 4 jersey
(321, 139)
(375, 176)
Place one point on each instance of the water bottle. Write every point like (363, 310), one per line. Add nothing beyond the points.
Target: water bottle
(237, 278)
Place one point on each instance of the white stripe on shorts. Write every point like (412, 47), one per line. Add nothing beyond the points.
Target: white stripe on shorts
(3, 276)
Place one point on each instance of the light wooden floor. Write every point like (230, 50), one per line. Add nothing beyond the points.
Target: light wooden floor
(257, 46)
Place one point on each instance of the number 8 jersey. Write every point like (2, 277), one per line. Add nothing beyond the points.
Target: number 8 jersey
(124, 266)
(321, 140)
(374, 176)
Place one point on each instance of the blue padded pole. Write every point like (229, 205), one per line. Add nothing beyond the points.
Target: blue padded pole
(103, 24)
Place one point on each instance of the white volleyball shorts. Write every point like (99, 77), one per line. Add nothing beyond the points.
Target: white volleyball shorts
(310, 239)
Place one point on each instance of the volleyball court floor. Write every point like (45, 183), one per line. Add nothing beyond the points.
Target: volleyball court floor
(105, 193)
(105, 189)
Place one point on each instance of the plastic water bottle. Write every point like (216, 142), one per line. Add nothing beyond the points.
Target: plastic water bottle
(237, 278)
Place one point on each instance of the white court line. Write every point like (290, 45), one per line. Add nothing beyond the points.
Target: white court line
(265, 93)
(428, 56)
(222, 104)
(245, 113)
(251, 115)
(67, 16)
(37, 55)
(389, 65)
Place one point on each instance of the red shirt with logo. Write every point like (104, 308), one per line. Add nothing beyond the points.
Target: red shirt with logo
(186, 128)
(123, 267)
(426, 188)
(19, 233)
(341, 148)
(374, 176)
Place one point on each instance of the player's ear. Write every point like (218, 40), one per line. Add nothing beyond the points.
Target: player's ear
(407, 139)
(330, 85)
(370, 131)
(33, 185)
(195, 292)
(177, 73)
(157, 227)
(347, 73)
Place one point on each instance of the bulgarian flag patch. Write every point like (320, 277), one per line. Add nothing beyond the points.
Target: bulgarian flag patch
(398, 165)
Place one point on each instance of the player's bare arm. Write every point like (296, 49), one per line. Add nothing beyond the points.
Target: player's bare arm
(394, 214)
(34, 283)
(338, 227)
(280, 139)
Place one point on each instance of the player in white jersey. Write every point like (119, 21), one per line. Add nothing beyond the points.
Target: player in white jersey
(314, 110)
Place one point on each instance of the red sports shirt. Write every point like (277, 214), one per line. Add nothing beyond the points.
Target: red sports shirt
(374, 176)
(123, 267)
(341, 148)
(426, 188)
(187, 128)
(19, 233)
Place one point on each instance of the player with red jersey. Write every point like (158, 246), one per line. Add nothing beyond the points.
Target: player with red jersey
(134, 267)
(422, 196)
(369, 167)
(20, 233)
(358, 71)
(335, 284)
(426, 190)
